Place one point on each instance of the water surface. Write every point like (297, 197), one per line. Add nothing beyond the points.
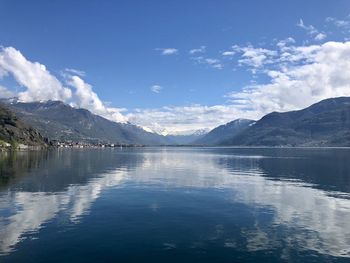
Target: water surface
(175, 205)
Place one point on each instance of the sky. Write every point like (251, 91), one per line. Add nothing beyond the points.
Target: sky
(174, 67)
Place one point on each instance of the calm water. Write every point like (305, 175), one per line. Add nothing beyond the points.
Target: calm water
(175, 205)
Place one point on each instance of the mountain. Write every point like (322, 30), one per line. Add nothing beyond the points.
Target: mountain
(326, 123)
(59, 121)
(224, 132)
(186, 139)
(15, 132)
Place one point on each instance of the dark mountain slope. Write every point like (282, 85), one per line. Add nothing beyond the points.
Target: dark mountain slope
(326, 123)
(15, 131)
(224, 132)
(59, 121)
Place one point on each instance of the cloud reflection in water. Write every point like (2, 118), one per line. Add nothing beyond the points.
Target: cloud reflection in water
(313, 218)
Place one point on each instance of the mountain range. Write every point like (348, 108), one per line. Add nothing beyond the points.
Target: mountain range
(326, 123)
(59, 121)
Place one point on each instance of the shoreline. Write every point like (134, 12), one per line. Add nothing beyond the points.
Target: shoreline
(39, 148)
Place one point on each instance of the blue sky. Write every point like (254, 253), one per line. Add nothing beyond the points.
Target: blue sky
(170, 66)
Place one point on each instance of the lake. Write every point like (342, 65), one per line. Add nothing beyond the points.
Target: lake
(175, 205)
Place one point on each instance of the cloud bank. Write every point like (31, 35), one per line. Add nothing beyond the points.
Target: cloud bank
(178, 119)
(306, 75)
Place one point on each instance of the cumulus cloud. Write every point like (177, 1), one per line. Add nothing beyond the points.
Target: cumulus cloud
(255, 57)
(156, 88)
(39, 83)
(85, 97)
(321, 72)
(167, 51)
(311, 31)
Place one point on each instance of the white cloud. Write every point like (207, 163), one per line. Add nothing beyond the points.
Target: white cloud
(201, 49)
(212, 62)
(311, 30)
(338, 22)
(38, 81)
(85, 97)
(167, 51)
(3, 73)
(297, 54)
(228, 53)
(156, 88)
(322, 72)
(41, 85)
(255, 57)
(320, 36)
(215, 63)
(282, 44)
(176, 119)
